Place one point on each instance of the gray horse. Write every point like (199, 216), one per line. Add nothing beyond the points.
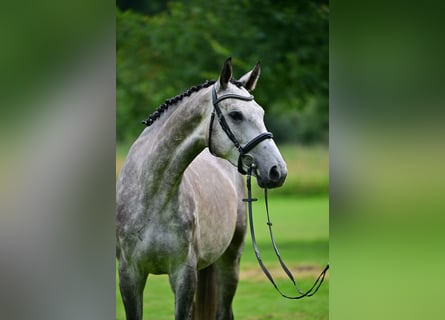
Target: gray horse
(179, 195)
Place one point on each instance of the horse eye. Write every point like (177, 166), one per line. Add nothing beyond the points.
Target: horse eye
(236, 115)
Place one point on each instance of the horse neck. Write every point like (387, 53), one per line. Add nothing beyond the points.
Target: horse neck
(173, 143)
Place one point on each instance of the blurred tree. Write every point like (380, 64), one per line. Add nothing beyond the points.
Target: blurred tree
(142, 6)
(164, 50)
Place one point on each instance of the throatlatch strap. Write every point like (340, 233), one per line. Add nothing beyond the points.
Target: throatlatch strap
(319, 279)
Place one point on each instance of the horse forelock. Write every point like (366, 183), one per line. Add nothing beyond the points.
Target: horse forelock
(175, 100)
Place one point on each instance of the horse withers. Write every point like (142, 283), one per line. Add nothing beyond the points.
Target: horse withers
(179, 195)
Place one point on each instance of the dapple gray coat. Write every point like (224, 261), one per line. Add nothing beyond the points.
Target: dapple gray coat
(180, 209)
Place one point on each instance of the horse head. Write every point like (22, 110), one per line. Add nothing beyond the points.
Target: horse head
(241, 136)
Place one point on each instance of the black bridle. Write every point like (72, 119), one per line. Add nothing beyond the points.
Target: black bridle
(243, 150)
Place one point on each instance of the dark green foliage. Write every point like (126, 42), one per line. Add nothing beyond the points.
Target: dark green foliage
(163, 50)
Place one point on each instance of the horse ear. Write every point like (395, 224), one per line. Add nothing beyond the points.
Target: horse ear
(250, 79)
(226, 73)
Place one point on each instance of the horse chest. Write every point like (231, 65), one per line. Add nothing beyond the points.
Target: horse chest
(173, 234)
(164, 241)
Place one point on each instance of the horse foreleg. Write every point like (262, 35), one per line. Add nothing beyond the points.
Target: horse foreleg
(132, 282)
(228, 271)
(183, 282)
(228, 274)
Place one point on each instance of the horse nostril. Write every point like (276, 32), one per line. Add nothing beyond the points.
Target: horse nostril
(274, 174)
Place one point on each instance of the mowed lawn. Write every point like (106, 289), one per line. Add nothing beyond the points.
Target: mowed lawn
(301, 229)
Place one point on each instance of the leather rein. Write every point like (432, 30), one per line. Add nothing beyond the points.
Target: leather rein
(312, 290)
(243, 150)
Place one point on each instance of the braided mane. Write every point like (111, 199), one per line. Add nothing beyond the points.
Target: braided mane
(169, 102)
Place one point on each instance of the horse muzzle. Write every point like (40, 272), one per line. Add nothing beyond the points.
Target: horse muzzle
(272, 177)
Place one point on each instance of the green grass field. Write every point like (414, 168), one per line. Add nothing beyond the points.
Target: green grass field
(301, 229)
